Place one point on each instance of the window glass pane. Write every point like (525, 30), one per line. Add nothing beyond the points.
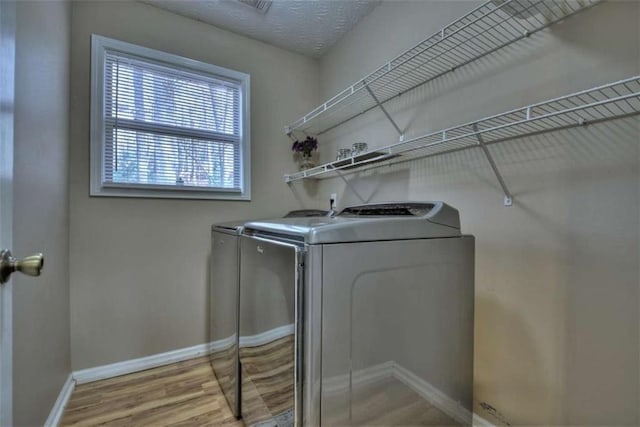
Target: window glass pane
(146, 158)
(157, 96)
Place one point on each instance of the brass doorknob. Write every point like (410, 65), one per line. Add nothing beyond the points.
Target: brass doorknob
(31, 265)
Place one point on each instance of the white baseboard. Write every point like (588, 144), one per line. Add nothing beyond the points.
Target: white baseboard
(433, 395)
(430, 393)
(55, 416)
(129, 366)
(478, 421)
(340, 383)
(267, 336)
(223, 344)
(135, 365)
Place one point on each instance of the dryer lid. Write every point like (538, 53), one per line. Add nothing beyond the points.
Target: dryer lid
(235, 227)
(231, 227)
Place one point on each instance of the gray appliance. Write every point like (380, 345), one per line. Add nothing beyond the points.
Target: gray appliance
(359, 319)
(224, 294)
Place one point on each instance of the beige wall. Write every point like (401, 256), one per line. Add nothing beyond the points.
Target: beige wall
(139, 266)
(41, 358)
(557, 280)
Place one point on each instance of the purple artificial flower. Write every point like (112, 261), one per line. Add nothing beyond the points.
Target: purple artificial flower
(305, 147)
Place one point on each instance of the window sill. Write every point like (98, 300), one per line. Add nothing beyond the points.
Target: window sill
(169, 194)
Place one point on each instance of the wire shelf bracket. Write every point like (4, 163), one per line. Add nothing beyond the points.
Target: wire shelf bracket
(351, 187)
(508, 197)
(386, 113)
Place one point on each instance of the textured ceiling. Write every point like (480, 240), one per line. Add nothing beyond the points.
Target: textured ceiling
(308, 27)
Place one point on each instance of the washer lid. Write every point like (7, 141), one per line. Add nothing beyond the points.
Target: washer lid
(361, 223)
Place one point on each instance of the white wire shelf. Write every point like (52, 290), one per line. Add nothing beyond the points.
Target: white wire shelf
(611, 101)
(491, 26)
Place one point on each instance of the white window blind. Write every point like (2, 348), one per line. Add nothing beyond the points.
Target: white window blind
(167, 127)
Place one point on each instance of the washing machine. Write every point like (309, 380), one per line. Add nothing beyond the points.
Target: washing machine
(224, 293)
(362, 318)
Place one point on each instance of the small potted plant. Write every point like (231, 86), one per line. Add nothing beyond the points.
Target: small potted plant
(305, 148)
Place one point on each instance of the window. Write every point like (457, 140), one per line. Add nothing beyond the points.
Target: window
(166, 126)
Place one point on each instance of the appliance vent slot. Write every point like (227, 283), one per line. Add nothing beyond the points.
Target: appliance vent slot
(306, 213)
(261, 6)
(395, 209)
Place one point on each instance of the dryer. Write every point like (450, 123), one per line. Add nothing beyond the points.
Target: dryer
(363, 318)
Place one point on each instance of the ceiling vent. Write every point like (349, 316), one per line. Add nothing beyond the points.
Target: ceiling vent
(261, 6)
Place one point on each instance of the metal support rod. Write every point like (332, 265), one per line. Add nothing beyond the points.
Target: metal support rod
(295, 192)
(508, 198)
(375, 98)
(351, 187)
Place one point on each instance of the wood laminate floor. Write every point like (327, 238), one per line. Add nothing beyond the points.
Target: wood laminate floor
(188, 394)
(181, 394)
(386, 402)
(267, 382)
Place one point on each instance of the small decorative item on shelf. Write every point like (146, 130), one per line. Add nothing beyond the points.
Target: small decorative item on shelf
(305, 148)
(359, 148)
(343, 153)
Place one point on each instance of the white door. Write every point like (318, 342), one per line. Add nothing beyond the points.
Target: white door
(7, 63)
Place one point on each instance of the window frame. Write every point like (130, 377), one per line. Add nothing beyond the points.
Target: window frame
(99, 46)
